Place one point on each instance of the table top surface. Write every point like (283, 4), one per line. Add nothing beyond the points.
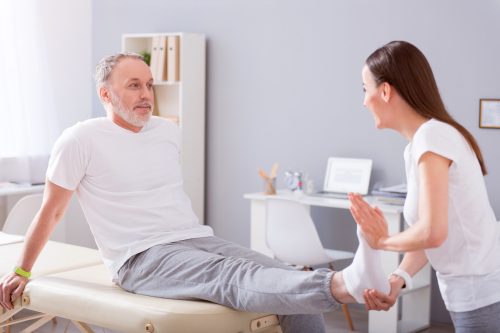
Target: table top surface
(14, 189)
(323, 201)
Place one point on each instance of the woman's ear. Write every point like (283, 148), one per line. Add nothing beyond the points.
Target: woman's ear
(386, 92)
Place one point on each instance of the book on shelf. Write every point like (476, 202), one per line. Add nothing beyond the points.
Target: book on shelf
(153, 64)
(158, 62)
(162, 59)
(173, 46)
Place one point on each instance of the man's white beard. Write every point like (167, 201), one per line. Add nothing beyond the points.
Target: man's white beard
(128, 115)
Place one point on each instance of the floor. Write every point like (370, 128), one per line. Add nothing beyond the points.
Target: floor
(335, 323)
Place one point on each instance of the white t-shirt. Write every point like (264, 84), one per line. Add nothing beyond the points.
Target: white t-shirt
(129, 185)
(468, 262)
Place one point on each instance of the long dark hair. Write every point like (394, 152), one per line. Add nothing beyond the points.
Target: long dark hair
(405, 67)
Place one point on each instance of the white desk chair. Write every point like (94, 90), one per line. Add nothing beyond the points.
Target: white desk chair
(292, 237)
(22, 214)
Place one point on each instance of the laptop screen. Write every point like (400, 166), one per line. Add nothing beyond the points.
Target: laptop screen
(345, 175)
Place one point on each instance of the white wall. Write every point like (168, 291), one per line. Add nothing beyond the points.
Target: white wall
(69, 35)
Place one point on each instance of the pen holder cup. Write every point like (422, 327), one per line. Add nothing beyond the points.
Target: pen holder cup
(270, 186)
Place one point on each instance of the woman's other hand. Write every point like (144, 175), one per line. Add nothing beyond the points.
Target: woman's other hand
(371, 221)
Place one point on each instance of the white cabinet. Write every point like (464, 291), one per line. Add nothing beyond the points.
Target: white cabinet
(179, 72)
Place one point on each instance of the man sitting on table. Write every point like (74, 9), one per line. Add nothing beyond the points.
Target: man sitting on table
(126, 173)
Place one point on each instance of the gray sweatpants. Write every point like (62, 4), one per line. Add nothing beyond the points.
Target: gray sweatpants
(482, 320)
(222, 272)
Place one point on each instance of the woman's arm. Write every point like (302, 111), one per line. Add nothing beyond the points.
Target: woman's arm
(430, 230)
(412, 263)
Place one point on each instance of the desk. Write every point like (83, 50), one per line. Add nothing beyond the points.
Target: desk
(411, 313)
(21, 190)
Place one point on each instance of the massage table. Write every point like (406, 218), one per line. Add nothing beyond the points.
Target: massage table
(55, 257)
(71, 282)
(88, 296)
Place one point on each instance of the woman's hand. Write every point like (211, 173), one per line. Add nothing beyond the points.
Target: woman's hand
(371, 221)
(375, 300)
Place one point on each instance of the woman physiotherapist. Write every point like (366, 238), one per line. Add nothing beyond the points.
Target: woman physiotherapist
(452, 224)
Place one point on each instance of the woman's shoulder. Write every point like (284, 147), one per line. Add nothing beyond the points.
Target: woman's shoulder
(438, 137)
(435, 129)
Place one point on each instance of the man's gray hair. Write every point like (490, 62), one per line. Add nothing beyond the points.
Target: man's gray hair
(107, 64)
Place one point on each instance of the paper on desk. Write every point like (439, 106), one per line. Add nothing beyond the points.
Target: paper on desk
(400, 188)
(10, 239)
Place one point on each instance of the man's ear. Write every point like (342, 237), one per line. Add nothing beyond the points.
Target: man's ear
(386, 91)
(104, 94)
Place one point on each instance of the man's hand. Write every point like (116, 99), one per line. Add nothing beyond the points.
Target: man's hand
(375, 300)
(370, 219)
(11, 287)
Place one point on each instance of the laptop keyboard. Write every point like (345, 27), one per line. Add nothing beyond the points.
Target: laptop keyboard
(329, 195)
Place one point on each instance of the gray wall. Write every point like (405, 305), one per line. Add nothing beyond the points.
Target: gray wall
(284, 84)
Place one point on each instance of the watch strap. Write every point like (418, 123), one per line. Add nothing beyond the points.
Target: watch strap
(405, 276)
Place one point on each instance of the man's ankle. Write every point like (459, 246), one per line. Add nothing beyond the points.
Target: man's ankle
(339, 290)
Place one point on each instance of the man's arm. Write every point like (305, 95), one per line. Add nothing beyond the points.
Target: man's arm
(55, 202)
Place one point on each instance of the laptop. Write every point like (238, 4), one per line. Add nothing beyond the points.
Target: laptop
(344, 175)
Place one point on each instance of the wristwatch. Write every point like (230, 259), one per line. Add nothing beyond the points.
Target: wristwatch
(405, 276)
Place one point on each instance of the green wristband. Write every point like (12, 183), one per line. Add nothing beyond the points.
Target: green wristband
(21, 272)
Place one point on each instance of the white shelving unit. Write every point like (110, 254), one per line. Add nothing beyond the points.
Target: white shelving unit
(181, 98)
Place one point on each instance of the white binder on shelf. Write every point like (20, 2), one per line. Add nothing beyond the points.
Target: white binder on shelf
(173, 46)
(153, 64)
(158, 62)
(161, 70)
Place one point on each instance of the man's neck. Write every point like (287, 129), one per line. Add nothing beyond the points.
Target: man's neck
(122, 123)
